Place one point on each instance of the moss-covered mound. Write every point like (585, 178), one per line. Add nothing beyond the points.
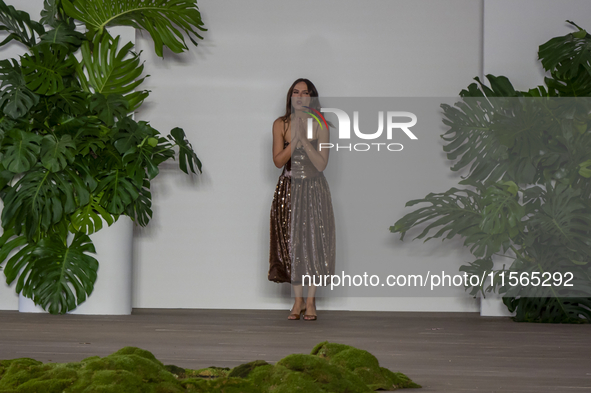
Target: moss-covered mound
(364, 365)
(330, 368)
(127, 370)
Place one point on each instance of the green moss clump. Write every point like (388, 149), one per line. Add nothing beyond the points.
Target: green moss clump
(19, 371)
(330, 368)
(178, 372)
(364, 365)
(4, 364)
(279, 379)
(208, 373)
(399, 380)
(138, 352)
(128, 370)
(109, 381)
(327, 350)
(220, 385)
(243, 370)
(89, 359)
(52, 381)
(329, 377)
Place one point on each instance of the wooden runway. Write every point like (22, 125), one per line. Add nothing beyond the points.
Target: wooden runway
(444, 352)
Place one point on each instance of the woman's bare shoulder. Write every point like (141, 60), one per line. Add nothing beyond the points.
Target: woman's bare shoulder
(279, 124)
(280, 120)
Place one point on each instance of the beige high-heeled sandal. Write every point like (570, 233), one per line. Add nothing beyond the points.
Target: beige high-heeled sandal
(310, 317)
(296, 317)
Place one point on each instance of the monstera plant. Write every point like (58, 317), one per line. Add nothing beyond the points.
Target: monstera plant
(526, 193)
(71, 155)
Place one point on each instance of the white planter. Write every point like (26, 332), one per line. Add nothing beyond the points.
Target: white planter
(493, 307)
(112, 290)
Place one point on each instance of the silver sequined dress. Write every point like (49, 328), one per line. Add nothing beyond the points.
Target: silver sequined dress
(302, 223)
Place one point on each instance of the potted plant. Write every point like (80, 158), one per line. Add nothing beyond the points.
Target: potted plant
(71, 155)
(527, 192)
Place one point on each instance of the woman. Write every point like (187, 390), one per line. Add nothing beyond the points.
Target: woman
(302, 221)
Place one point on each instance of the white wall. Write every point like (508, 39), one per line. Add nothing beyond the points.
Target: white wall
(208, 243)
(207, 246)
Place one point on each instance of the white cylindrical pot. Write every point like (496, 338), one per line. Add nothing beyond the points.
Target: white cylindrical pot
(493, 306)
(112, 290)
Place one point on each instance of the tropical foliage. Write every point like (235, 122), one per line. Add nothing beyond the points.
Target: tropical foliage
(71, 156)
(526, 193)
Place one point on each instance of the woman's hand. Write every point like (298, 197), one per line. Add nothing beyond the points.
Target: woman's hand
(319, 158)
(298, 128)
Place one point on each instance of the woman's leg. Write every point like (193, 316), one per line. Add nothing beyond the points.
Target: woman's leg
(298, 305)
(311, 303)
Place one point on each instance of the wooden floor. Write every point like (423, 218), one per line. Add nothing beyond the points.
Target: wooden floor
(444, 352)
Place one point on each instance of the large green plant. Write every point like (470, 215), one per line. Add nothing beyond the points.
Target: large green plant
(526, 195)
(71, 156)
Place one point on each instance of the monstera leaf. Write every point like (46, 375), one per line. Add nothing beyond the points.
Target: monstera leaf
(48, 270)
(142, 151)
(45, 69)
(141, 209)
(19, 26)
(164, 20)
(576, 86)
(567, 54)
(502, 210)
(469, 137)
(563, 218)
(64, 34)
(89, 219)
(549, 309)
(110, 71)
(41, 198)
(500, 86)
(479, 268)
(496, 134)
(20, 150)
(71, 101)
(19, 263)
(118, 192)
(187, 156)
(15, 98)
(50, 12)
(458, 211)
(109, 108)
(454, 212)
(6, 178)
(57, 154)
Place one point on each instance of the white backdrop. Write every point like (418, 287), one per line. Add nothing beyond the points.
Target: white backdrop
(207, 246)
(208, 243)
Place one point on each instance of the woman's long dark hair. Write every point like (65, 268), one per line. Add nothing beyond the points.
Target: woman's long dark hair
(314, 102)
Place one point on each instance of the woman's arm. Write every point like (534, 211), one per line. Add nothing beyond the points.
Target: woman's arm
(280, 154)
(319, 158)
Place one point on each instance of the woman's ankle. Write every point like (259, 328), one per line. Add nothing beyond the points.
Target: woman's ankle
(299, 303)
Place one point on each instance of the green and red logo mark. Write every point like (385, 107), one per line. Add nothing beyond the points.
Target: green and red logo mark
(315, 115)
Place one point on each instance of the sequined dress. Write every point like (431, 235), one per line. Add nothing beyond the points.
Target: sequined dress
(302, 223)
